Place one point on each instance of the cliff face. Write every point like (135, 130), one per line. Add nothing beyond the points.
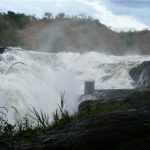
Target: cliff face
(72, 35)
(82, 35)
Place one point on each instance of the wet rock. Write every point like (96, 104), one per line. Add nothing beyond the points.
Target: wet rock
(100, 131)
(141, 75)
(108, 95)
(2, 50)
(144, 79)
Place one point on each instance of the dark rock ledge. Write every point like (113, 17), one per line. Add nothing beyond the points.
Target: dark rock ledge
(101, 131)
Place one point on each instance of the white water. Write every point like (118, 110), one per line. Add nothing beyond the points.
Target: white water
(38, 79)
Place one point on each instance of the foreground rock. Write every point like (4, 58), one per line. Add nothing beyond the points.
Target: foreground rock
(4, 146)
(101, 131)
(141, 75)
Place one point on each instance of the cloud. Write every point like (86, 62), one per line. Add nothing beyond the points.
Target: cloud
(116, 21)
(137, 8)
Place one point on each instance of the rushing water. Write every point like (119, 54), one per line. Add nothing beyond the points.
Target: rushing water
(37, 79)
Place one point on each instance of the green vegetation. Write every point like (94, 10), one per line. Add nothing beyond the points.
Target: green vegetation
(136, 40)
(12, 25)
(31, 125)
(133, 100)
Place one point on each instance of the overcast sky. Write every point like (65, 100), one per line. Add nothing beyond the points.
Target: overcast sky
(119, 14)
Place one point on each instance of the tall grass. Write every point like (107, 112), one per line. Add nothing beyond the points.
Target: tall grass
(61, 115)
(41, 119)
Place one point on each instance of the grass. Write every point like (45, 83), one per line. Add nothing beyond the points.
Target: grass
(37, 122)
(91, 108)
(31, 125)
(40, 118)
(133, 100)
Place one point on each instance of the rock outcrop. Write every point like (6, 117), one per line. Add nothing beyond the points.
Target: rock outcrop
(141, 75)
(108, 95)
(101, 131)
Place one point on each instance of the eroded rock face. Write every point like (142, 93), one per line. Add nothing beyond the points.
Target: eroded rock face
(141, 75)
(100, 131)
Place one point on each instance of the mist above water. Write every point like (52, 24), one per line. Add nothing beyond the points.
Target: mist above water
(37, 79)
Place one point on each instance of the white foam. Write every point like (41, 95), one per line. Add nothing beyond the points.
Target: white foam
(38, 79)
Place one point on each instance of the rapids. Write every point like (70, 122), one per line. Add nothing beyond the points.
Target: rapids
(37, 79)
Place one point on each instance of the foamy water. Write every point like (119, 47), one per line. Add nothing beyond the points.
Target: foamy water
(37, 79)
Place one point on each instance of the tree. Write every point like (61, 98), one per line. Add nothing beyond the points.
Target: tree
(60, 15)
(97, 21)
(48, 15)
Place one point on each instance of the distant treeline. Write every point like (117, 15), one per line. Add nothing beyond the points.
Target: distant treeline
(63, 32)
(12, 23)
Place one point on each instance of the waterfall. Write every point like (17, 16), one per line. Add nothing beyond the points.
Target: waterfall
(37, 79)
